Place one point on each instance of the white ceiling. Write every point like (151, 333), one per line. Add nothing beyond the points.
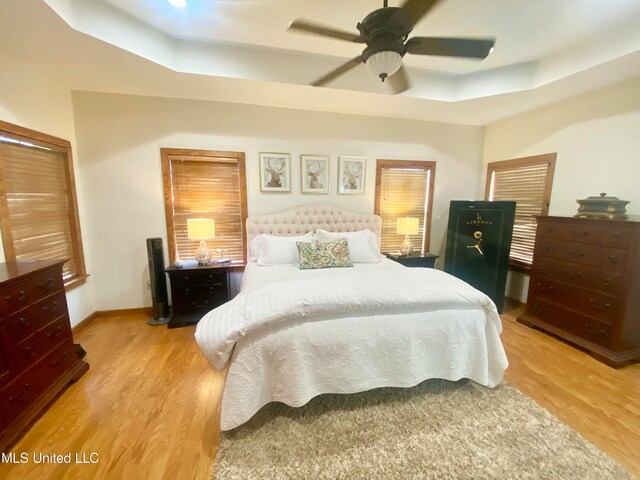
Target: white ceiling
(98, 46)
(526, 30)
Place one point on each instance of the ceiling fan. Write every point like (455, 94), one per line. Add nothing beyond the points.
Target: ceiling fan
(385, 32)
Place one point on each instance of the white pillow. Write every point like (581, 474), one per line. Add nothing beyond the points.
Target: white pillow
(274, 250)
(364, 246)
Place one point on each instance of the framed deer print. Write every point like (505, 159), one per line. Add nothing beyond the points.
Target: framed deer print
(275, 172)
(314, 170)
(351, 175)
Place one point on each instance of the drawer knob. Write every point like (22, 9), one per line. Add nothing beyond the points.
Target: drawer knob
(24, 322)
(56, 332)
(51, 308)
(543, 266)
(200, 305)
(29, 351)
(577, 254)
(48, 284)
(544, 288)
(597, 331)
(607, 282)
(594, 302)
(59, 361)
(27, 387)
(576, 232)
(613, 259)
(540, 308)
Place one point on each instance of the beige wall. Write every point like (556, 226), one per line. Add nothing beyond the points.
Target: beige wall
(35, 98)
(119, 141)
(597, 139)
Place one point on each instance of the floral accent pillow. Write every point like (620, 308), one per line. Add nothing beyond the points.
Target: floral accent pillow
(324, 255)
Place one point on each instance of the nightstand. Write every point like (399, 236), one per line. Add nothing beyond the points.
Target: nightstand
(195, 291)
(425, 260)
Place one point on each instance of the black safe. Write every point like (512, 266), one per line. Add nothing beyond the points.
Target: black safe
(478, 244)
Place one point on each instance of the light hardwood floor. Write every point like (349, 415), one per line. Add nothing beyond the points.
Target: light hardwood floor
(148, 406)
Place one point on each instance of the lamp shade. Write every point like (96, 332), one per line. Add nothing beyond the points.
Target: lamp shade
(384, 64)
(407, 226)
(201, 228)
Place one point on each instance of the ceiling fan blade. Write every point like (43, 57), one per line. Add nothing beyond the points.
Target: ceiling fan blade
(451, 47)
(399, 81)
(416, 9)
(304, 26)
(344, 68)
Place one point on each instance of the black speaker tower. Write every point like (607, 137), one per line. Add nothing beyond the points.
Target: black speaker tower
(158, 282)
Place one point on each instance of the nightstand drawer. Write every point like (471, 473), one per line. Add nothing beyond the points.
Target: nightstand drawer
(199, 278)
(198, 299)
(426, 260)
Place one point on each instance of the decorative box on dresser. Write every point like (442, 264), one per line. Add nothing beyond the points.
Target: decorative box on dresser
(585, 285)
(37, 355)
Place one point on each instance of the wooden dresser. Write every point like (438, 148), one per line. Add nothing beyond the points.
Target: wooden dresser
(37, 355)
(585, 285)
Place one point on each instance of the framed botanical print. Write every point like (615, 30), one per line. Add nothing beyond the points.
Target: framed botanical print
(351, 175)
(275, 172)
(314, 172)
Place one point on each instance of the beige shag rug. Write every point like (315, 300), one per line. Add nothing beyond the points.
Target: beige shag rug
(437, 430)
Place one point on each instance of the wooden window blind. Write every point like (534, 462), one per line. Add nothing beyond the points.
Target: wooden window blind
(404, 189)
(38, 205)
(528, 181)
(205, 184)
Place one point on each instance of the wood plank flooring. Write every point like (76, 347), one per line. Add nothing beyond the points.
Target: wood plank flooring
(149, 404)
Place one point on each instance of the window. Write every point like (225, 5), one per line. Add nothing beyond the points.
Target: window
(527, 181)
(205, 184)
(404, 189)
(38, 205)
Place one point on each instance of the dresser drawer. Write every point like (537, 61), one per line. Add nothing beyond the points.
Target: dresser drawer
(27, 387)
(613, 260)
(582, 253)
(30, 290)
(618, 237)
(29, 320)
(586, 302)
(579, 275)
(36, 346)
(583, 326)
(573, 232)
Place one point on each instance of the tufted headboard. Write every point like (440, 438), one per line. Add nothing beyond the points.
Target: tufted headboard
(307, 218)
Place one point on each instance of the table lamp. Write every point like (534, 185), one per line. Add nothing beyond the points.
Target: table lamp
(201, 229)
(407, 226)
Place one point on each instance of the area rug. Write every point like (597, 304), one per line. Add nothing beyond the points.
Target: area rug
(437, 430)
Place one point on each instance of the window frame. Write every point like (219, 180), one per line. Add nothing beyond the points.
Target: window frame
(62, 146)
(426, 164)
(165, 154)
(548, 158)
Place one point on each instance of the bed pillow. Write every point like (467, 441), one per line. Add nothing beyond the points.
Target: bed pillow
(275, 250)
(324, 255)
(364, 246)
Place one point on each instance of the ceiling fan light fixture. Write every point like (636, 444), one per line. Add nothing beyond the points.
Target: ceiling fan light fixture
(384, 64)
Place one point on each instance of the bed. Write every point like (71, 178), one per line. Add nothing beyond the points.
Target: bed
(293, 334)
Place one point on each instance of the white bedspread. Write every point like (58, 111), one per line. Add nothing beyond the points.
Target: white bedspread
(301, 333)
(331, 293)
